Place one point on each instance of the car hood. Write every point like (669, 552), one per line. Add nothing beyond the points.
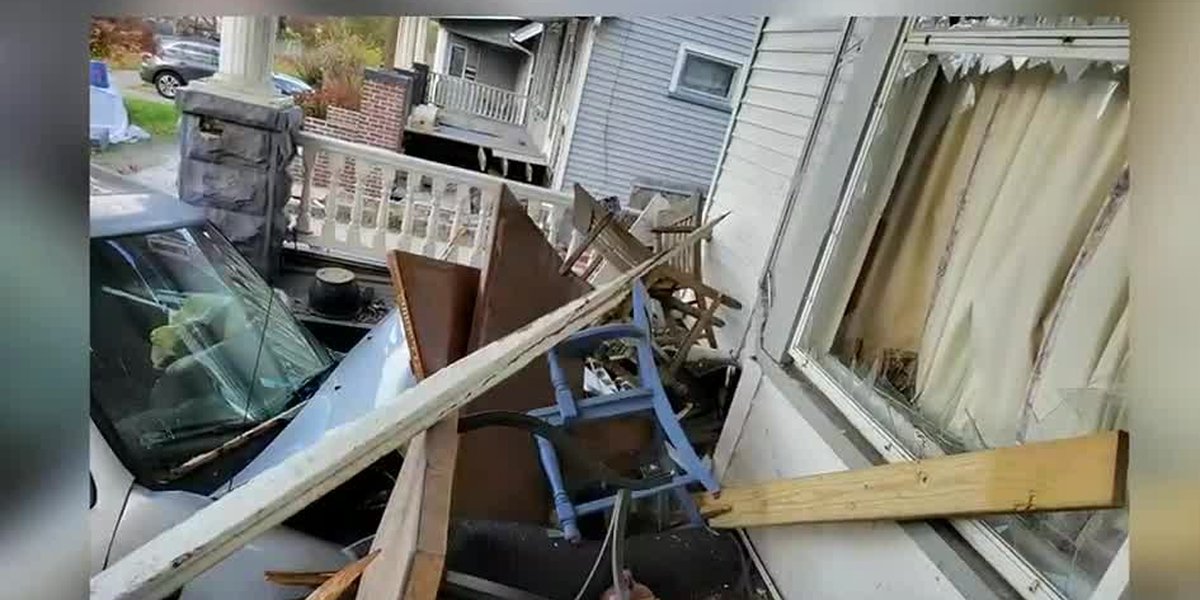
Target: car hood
(372, 373)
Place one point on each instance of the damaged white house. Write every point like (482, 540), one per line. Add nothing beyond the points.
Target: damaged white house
(931, 231)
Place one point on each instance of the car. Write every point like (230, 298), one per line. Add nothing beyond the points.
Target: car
(191, 353)
(180, 61)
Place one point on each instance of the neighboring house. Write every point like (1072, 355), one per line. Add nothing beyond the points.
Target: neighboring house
(601, 102)
(948, 270)
(657, 101)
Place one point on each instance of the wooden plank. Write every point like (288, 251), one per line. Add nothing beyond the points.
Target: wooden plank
(299, 578)
(165, 563)
(396, 538)
(436, 299)
(343, 580)
(429, 559)
(1072, 474)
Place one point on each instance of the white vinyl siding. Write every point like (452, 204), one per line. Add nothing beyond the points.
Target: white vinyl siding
(765, 146)
(628, 125)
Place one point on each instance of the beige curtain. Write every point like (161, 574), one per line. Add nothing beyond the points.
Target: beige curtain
(887, 312)
(973, 259)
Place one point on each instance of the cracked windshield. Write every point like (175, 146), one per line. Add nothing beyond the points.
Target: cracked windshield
(190, 347)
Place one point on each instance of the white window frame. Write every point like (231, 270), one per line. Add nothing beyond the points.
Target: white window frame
(675, 90)
(814, 328)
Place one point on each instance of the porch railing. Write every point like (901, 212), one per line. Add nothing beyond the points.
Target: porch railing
(476, 98)
(359, 200)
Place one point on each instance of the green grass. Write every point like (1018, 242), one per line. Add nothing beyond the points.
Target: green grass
(158, 118)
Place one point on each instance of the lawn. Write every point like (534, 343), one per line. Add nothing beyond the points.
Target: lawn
(158, 118)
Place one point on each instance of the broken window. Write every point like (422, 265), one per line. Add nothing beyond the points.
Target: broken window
(973, 292)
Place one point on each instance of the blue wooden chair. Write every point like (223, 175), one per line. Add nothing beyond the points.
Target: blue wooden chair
(649, 397)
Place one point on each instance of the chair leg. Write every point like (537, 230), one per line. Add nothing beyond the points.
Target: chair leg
(685, 454)
(688, 504)
(562, 502)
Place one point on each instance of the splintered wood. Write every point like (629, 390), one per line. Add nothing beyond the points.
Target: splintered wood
(161, 566)
(1072, 474)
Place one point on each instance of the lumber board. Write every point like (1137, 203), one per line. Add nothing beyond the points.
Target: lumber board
(343, 580)
(433, 524)
(436, 300)
(162, 565)
(299, 578)
(395, 539)
(1071, 474)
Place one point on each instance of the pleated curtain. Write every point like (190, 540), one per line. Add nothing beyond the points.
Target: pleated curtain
(999, 265)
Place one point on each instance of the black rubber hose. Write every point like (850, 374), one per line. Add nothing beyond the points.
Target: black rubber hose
(563, 443)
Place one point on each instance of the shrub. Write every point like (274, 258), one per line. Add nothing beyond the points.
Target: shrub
(111, 38)
(332, 61)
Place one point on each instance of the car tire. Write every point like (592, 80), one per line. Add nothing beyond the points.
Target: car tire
(167, 82)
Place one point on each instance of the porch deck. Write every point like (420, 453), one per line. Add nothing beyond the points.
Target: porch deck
(503, 140)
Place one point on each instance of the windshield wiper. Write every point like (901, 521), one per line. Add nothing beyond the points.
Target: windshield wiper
(299, 397)
(311, 384)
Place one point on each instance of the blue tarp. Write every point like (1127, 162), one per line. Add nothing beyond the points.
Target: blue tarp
(98, 74)
(108, 121)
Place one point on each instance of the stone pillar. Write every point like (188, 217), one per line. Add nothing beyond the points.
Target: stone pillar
(237, 138)
(1164, 296)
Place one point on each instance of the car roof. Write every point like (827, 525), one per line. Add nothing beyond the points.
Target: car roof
(290, 78)
(118, 205)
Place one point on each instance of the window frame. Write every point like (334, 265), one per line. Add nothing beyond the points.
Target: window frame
(680, 92)
(816, 321)
(450, 59)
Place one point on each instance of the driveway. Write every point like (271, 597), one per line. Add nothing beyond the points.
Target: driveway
(131, 85)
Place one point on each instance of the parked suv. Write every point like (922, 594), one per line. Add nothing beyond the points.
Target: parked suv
(191, 352)
(180, 61)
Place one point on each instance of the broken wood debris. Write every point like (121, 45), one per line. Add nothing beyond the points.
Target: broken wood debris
(343, 580)
(436, 300)
(161, 566)
(689, 305)
(1071, 474)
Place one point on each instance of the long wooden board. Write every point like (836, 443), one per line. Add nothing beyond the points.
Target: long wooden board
(165, 563)
(436, 300)
(1072, 474)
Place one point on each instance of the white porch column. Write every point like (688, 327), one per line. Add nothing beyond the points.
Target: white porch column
(410, 42)
(1164, 300)
(247, 56)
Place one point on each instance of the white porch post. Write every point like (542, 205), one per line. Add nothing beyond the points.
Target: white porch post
(410, 42)
(247, 57)
(1164, 292)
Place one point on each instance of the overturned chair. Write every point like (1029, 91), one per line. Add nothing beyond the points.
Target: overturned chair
(648, 397)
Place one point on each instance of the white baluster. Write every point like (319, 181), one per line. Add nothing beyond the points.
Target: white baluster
(457, 228)
(410, 214)
(489, 198)
(362, 168)
(554, 215)
(533, 208)
(388, 177)
(337, 162)
(432, 225)
(308, 159)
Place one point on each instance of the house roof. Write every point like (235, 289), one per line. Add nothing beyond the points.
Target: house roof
(489, 31)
